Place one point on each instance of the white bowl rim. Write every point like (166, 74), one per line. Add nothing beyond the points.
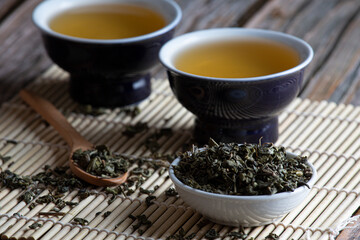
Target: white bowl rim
(218, 32)
(44, 27)
(275, 196)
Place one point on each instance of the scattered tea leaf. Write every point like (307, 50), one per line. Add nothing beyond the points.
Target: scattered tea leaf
(149, 200)
(84, 193)
(31, 206)
(237, 235)
(52, 213)
(4, 158)
(106, 214)
(151, 142)
(34, 185)
(142, 220)
(114, 191)
(171, 192)
(211, 234)
(35, 225)
(9, 141)
(81, 221)
(112, 199)
(132, 112)
(14, 181)
(132, 130)
(88, 109)
(146, 191)
(181, 235)
(272, 236)
(144, 172)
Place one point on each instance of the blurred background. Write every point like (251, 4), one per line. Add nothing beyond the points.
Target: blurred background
(332, 27)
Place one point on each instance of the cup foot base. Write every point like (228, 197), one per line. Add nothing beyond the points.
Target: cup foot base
(109, 92)
(243, 132)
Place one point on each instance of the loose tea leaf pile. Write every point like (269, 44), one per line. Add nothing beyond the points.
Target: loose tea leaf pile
(248, 169)
(56, 181)
(101, 162)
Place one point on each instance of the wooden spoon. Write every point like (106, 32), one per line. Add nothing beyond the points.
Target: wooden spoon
(70, 135)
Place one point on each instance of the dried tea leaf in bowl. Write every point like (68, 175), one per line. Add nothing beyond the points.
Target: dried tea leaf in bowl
(243, 169)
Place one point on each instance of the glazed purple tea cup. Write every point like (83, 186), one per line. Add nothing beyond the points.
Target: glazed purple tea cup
(106, 72)
(234, 109)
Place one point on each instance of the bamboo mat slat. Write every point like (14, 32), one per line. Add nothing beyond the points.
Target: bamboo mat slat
(327, 133)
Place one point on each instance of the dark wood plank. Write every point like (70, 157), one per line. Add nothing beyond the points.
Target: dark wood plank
(204, 14)
(337, 78)
(277, 15)
(7, 6)
(22, 56)
(320, 23)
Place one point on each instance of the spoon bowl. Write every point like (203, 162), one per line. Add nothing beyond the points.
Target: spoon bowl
(70, 135)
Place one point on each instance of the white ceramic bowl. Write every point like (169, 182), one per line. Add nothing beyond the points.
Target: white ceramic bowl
(246, 211)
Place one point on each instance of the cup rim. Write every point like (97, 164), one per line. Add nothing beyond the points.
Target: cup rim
(202, 193)
(164, 56)
(44, 27)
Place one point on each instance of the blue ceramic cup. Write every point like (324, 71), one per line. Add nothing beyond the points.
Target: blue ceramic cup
(112, 72)
(235, 109)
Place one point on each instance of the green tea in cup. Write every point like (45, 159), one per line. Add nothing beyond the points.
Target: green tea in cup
(107, 46)
(244, 57)
(236, 81)
(108, 21)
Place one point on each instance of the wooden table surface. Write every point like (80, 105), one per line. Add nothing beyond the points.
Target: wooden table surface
(331, 27)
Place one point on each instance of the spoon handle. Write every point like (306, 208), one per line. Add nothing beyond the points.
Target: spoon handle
(55, 119)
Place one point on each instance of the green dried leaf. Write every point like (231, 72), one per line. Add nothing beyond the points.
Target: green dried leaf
(181, 235)
(171, 192)
(272, 236)
(149, 200)
(88, 109)
(132, 130)
(35, 225)
(4, 158)
(9, 141)
(237, 235)
(106, 214)
(246, 169)
(151, 141)
(132, 112)
(81, 221)
(146, 191)
(141, 220)
(211, 234)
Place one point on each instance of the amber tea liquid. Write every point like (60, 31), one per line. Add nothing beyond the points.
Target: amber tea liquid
(112, 21)
(242, 58)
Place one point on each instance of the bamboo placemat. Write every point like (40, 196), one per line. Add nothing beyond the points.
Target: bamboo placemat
(328, 133)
